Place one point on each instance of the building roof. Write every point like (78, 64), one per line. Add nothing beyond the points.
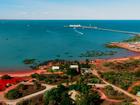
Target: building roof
(55, 67)
(74, 66)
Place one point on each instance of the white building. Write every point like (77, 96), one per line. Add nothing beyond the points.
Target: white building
(74, 66)
(55, 67)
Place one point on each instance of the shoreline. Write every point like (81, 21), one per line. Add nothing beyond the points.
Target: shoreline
(124, 58)
(22, 73)
(133, 47)
(25, 73)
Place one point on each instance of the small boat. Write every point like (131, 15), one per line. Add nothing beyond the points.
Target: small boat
(73, 26)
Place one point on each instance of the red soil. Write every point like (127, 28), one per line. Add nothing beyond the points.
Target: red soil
(5, 82)
(104, 97)
(22, 73)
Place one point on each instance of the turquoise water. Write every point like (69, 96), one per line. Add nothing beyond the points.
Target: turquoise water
(45, 39)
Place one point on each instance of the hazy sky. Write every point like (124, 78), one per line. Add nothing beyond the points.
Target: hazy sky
(69, 9)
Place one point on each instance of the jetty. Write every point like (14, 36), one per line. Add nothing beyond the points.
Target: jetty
(102, 29)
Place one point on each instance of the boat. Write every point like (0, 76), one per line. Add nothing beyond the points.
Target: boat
(73, 26)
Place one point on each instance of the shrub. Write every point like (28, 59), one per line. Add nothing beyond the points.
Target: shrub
(13, 94)
(6, 77)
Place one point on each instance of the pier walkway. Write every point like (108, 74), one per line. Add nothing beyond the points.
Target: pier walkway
(102, 29)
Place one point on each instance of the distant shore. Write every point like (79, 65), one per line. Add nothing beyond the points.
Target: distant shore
(134, 47)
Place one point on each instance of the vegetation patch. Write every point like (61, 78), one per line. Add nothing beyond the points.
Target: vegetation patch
(121, 79)
(133, 39)
(24, 90)
(60, 96)
(113, 94)
(89, 78)
(54, 78)
(135, 90)
(109, 45)
(6, 77)
(129, 65)
(33, 101)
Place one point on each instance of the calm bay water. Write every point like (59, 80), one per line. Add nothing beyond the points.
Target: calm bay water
(45, 39)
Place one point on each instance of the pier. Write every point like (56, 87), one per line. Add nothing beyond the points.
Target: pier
(102, 29)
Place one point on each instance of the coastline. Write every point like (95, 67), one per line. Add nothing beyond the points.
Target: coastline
(134, 47)
(137, 56)
(22, 73)
(26, 73)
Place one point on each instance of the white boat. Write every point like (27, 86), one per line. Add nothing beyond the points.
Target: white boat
(75, 26)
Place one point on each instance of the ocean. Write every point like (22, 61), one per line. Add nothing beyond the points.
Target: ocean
(49, 39)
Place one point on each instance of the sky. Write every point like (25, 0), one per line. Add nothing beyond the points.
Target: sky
(70, 9)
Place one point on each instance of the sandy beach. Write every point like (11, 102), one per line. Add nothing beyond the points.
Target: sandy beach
(135, 47)
(27, 73)
(22, 73)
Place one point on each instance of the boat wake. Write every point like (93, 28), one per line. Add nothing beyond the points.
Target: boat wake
(78, 31)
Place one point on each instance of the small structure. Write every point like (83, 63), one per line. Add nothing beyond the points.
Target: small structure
(138, 94)
(85, 71)
(55, 67)
(73, 94)
(74, 66)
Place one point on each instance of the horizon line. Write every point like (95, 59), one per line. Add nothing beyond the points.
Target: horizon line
(69, 19)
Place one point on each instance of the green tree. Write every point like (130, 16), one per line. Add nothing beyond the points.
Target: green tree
(27, 102)
(71, 73)
(135, 89)
(6, 77)
(13, 94)
(92, 98)
(37, 85)
(110, 91)
(22, 87)
(95, 80)
(65, 99)
(54, 95)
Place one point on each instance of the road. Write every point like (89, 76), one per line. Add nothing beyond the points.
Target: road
(14, 102)
(104, 97)
(48, 87)
(94, 72)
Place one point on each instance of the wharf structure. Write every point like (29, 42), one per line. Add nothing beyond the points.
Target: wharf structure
(102, 29)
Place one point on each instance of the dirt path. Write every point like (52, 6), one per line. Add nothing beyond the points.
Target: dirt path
(94, 72)
(14, 102)
(104, 97)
